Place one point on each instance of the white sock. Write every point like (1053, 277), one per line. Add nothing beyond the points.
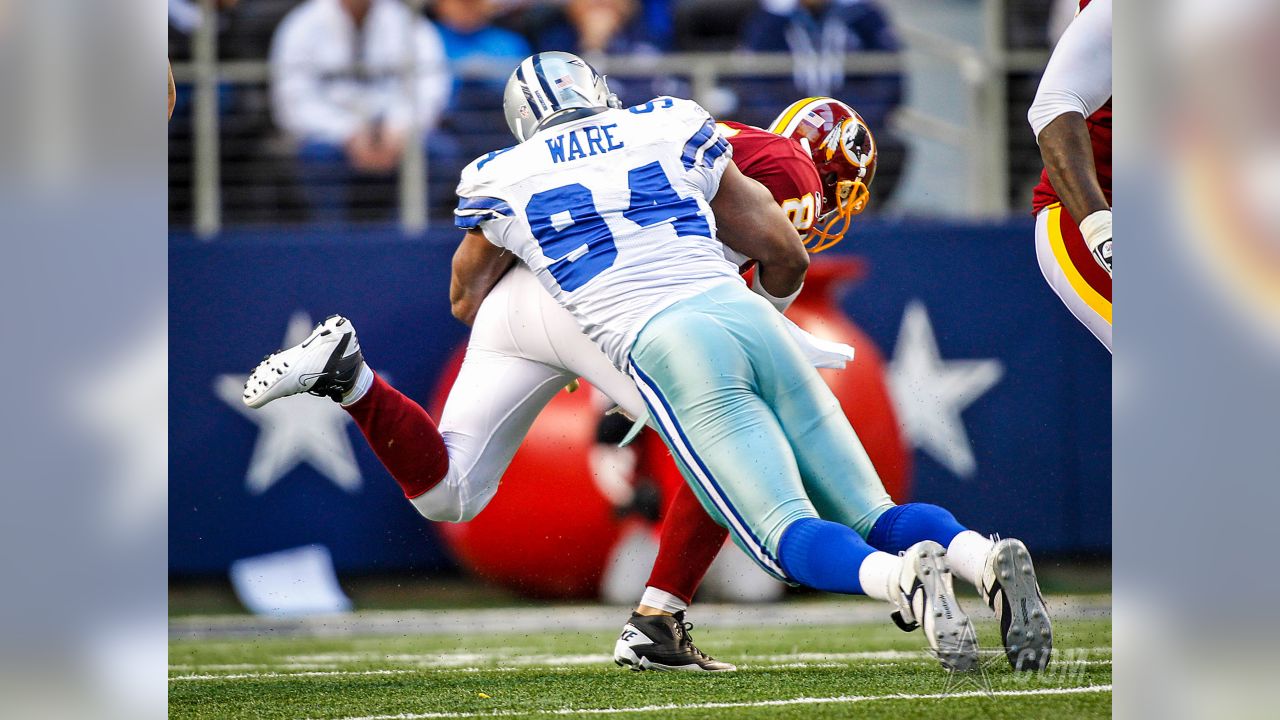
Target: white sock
(879, 575)
(967, 555)
(364, 381)
(662, 600)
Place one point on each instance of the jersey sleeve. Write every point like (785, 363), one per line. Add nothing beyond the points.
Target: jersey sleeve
(794, 183)
(481, 205)
(785, 169)
(705, 152)
(1078, 76)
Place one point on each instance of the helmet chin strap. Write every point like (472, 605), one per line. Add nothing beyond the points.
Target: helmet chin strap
(851, 198)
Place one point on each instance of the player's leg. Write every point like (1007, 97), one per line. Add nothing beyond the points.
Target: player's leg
(329, 363)
(656, 635)
(845, 487)
(690, 539)
(448, 473)
(775, 501)
(694, 366)
(688, 544)
(1065, 262)
(1001, 570)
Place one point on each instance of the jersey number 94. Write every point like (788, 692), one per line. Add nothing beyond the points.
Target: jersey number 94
(575, 237)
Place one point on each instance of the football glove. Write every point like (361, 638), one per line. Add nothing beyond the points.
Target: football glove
(1096, 230)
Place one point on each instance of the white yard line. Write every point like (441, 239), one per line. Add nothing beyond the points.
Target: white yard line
(273, 675)
(840, 700)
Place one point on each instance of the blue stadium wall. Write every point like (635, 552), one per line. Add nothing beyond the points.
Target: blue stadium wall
(1041, 436)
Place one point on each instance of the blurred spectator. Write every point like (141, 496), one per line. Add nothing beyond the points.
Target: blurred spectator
(338, 88)
(593, 27)
(185, 18)
(658, 19)
(818, 33)
(475, 121)
(470, 37)
(186, 15)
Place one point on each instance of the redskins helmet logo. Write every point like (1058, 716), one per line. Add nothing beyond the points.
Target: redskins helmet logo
(851, 138)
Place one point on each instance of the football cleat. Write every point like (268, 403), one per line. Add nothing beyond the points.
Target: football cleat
(662, 642)
(1009, 587)
(929, 602)
(326, 364)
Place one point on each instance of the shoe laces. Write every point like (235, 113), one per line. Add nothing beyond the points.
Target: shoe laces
(685, 640)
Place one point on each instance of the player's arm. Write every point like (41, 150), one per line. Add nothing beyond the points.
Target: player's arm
(751, 223)
(173, 92)
(1068, 156)
(478, 265)
(1076, 82)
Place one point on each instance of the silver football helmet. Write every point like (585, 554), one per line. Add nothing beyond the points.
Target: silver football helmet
(548, 84)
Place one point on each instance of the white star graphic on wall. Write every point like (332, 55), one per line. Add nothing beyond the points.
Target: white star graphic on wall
(294, 430)
(930, 393)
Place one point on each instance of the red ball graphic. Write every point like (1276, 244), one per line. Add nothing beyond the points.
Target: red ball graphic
(549, 531)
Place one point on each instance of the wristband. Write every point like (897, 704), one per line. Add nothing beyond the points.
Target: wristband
(780, 304)
(1096, 229)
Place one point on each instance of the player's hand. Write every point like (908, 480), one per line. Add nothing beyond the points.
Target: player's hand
(1102, 254)
(1096, 231)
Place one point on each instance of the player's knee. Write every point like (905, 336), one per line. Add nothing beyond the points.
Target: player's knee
(443, 503)
(437, 506)
(902, 526)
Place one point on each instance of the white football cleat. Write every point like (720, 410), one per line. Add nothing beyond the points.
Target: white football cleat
(928, 601)
(1009, 587)
(327, 363)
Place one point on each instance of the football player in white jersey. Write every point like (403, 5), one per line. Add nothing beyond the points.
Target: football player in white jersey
(627, 244)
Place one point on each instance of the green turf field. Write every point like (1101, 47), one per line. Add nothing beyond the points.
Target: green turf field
(867, 670)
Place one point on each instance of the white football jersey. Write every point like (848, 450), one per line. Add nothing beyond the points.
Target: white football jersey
(610, 212)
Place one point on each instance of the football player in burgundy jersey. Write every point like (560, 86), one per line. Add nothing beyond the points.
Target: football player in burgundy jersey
(1071, 116)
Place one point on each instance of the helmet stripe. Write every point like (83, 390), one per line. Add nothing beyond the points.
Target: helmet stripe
(784, 124)
(800, 113)
(534, 107)
(536, 102)
(542, 80)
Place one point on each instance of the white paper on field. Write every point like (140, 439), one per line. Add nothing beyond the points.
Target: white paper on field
(300, 581)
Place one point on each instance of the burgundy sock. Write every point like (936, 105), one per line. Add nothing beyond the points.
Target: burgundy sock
(689, 543)
(403, 436)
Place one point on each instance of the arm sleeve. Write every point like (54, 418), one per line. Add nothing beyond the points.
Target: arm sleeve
(1078, 76)
(297, 96)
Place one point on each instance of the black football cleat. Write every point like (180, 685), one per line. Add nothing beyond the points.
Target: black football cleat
(662, 642)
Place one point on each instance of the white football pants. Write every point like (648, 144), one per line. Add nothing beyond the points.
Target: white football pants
(524, 348)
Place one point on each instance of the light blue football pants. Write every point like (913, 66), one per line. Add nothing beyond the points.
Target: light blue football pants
(755, 430)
